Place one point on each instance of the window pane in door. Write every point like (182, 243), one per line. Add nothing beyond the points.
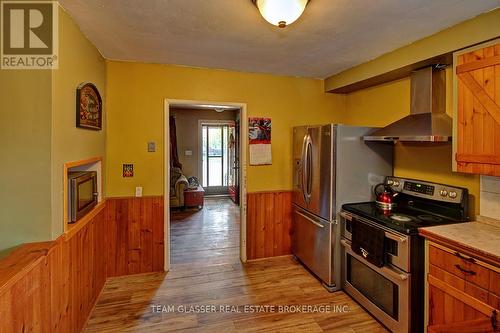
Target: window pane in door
(214, 142)
(215, 167)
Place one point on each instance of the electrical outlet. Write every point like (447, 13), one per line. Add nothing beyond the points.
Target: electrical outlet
(151, 147)
(188, 153)
(138, 191)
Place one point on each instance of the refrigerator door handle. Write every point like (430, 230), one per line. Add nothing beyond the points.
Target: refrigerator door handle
(310, 220)
(304, 168)
(307, 169)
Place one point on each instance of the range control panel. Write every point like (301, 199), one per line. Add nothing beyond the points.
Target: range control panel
(419, 188)
(426, 190)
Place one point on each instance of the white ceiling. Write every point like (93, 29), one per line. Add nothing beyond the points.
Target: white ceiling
(332, 35)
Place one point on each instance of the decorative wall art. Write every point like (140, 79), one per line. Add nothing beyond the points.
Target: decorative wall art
(88, 107)
(128, 170)
(259, 139)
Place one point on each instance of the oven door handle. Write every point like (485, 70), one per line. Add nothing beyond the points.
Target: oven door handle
(390, 273)
(399, 239)
(395, 238)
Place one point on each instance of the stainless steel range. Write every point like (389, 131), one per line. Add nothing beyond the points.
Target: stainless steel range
(383, 256)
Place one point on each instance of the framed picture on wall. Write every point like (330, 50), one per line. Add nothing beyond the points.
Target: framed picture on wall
(88, 107)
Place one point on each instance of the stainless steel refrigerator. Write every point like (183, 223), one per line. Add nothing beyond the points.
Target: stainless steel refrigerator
(332, 165)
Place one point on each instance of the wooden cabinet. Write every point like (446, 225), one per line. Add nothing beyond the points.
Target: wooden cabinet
(463, 292)
(478, 110)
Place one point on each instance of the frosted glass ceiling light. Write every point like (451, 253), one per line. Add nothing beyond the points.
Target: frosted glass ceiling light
(281, 12)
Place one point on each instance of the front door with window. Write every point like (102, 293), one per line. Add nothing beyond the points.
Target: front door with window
(215, 158)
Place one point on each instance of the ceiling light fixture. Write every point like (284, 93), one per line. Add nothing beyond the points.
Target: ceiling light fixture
(281, 12)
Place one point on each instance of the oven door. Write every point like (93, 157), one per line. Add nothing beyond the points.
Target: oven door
(383, 291)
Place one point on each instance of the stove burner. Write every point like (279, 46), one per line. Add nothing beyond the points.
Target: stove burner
(430, 218)
(400, 218)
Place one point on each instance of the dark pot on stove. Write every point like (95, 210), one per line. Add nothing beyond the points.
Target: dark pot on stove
(385, 196)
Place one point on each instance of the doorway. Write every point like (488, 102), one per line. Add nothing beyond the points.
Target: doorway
(221, 171)
(220, 153)
(215, 159)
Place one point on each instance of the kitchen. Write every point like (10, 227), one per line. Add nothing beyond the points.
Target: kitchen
(377, 212)
(404, 264)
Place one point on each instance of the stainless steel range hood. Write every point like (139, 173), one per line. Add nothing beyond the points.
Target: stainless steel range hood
(428, 121)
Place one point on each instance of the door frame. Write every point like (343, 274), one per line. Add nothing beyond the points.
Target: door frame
(202, 122)
(168, 103)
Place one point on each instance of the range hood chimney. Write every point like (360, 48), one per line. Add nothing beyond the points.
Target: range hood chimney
(428, 121)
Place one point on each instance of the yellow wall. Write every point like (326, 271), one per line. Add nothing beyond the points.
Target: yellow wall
(25, 118)
(79, 61)
(135, 95)
(38, 135)
(478, 29)
(381, 105)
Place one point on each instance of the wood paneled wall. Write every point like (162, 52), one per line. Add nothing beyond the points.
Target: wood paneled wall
(53, 286)
(269, 224)
(135, 235)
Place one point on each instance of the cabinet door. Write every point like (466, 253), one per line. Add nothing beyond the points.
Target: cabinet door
(452, 310)
(478, 111)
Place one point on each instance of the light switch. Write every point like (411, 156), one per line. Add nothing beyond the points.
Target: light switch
(188, 152)
(138, 191)
(151, 147)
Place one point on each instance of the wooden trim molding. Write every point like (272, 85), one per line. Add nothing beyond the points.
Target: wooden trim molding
(269, 224)
(73, 228)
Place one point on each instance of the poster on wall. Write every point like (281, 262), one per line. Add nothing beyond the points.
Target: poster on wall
(259, 139)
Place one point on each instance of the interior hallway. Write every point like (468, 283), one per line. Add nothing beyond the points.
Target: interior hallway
(206, 271)
(206, 237)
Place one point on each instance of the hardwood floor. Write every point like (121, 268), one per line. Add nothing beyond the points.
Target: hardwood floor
(206, 272)
(208, 236)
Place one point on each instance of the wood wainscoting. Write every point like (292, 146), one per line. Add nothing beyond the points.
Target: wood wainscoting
(269, 224)
(135, 235)
(53, 286)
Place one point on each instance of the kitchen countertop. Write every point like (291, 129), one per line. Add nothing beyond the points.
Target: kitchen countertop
(481, 239)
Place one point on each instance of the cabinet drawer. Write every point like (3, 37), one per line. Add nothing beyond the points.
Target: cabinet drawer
(460, 284)
(460, 265)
